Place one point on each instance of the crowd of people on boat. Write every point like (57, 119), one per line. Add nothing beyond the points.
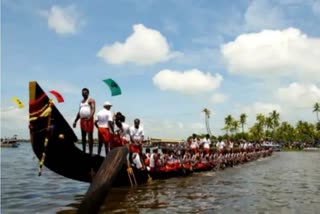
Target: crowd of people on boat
(195, 154)
(200, 155)
(113, 131)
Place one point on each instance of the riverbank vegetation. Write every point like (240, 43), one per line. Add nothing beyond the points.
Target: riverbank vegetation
(270, 127)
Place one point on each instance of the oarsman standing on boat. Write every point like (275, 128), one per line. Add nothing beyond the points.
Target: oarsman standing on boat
(221, 146)
(194, 143)
(85, 114)
(206, 142)
(136, 139)
(104, 124)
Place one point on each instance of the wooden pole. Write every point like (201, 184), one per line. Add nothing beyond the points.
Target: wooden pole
(102, 181)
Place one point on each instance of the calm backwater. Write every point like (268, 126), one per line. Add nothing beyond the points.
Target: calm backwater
(286, 182)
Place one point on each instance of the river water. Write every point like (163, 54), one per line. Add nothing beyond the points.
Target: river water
(286, 182)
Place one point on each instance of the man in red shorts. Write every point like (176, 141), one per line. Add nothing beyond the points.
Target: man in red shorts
(85, 114)
(136, 139)
(105, 126)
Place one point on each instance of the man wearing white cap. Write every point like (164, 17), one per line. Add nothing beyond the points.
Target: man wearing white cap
(104, 124)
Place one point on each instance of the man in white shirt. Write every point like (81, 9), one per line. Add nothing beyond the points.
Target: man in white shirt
(104, 124)
(218, 144)
(206, 143)
(136, 139)
(221, 146)
(194, 146)
(85, 114)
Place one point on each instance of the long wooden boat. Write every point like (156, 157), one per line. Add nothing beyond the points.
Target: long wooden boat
(53, 142)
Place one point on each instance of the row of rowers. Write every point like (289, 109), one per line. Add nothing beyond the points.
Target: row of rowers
(171, 160)
(195, 143)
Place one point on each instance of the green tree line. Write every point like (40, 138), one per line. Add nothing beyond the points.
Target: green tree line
(270, 127)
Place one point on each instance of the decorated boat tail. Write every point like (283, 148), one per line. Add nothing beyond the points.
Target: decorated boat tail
(53, 139)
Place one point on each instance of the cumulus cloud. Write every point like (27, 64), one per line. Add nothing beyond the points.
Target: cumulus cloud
(260, 107)
(144, 47)
(273, 52)
(218, 98)
(262, 14)
(63, 20)
(300, 95)
(187, 82)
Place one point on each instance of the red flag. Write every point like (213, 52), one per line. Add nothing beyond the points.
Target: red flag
(57, 95)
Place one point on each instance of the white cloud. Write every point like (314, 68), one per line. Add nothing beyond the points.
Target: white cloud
(262, 14)
(261, 108)
(63, 20)
(218, 98)
(300, 95)
(144, 47)
(275, 53)
(187, 82)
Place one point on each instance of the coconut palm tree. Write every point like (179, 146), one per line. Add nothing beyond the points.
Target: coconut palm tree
(305, 130)
(243, 120)
(316, 109)
(207, 116)
(275, 117)
(256, 131)
(228, 123)
(268, 123)
(261, 119)
(234, 126)
(286, 132)
(318, 126)
(318, 129)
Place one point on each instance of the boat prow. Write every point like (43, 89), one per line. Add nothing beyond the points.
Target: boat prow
(53, 140)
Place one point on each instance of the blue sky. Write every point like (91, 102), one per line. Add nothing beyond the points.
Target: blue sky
(170, 58)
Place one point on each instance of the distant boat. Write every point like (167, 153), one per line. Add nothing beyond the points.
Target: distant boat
(10, 142)
(312, 149)
(275, 147)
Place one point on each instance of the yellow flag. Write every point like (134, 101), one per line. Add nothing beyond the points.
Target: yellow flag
(18, 102)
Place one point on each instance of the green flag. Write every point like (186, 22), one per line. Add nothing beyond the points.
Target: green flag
(114, 87)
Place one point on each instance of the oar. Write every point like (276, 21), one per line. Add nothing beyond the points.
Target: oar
(102, 181)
